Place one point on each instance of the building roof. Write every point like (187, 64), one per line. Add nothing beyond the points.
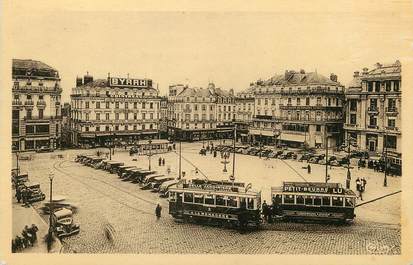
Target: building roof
(211, 91)
(386, 69)
(29, 67)
(355, 83)
(299, 78)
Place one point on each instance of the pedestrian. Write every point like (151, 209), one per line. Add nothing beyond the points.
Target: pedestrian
(265, 210)
(160, 161)
(163, 161)
(270, 212)
(19, 243)
(215, 153)
(26, 238)
(13, 246)
(158, 211)
(18, 195)
(364, 182)
(308, 169)
(33, 231)
(359, 188)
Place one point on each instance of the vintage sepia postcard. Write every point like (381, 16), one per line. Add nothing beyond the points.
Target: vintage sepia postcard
(185, 132)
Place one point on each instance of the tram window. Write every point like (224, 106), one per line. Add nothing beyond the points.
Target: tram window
(300, 199)
(317, 200)
(199, 198)
(209, 199)
(326, 201)
(289, 199)
(242, 203)
(219, 200)
(349, 202)
(179, 196)
(250, 203)
(188, 197)
(337, 201)
(172, 197)
(308, 200)
(232, 201)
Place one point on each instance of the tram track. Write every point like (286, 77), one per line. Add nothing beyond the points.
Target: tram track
(57, 167)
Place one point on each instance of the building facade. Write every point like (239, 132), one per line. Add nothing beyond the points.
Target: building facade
(298, 108)
(114, 110)
(200, 113)
(245, 108)
(373, 111)
(163, 120)
(36, 109)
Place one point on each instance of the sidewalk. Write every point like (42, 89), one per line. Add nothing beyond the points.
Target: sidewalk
(22, 216)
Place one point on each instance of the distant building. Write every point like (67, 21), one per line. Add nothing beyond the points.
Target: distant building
(36, 117)
(163, 121)
(200, 113)
(118, 110)
(245, 108)
(298, 108)
(374, 109)
(66, 139)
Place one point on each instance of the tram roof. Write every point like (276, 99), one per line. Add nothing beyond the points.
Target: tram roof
(155, 141)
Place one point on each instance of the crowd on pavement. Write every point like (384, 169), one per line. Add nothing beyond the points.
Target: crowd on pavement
(27, 239)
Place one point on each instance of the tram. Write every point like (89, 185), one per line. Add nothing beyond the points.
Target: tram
(314, 201)
(215, 202)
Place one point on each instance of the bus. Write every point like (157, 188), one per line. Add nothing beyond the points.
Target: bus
(221, 203)
(314, 201)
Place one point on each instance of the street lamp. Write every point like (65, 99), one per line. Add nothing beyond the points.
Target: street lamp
(225, 162)
(149, 155)
(49, 239)
(18, 168)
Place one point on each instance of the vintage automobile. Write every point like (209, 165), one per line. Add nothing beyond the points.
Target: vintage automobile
(156, 184)
(164, 187)
(62, 221)
(58, 203)
(313, 160)
(35, 193)
(44, 149)
(20, 179)
(94, 160)
(128, 173)
(140, 176)
(145, 184)
(122, 169)
(112, 166)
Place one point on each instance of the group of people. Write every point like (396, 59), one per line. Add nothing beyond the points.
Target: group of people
(27, 239)
(270, 211)
(161, 161)
(23, 195)
(361, 186)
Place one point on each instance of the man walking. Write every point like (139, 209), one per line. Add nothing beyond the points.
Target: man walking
(309, 169)
(158, 211)
(265, 210)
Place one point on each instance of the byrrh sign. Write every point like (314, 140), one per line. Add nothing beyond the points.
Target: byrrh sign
(129, 82)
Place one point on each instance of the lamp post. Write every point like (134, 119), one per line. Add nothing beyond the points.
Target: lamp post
(150, 154)
(18, 168)
(225, 162)
(49, 239)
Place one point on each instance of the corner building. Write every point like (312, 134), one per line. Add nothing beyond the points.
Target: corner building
(114, 110)
(302, 108)
(36, 107)
(373, 112)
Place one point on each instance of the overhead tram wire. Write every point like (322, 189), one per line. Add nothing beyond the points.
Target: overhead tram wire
(294, 170)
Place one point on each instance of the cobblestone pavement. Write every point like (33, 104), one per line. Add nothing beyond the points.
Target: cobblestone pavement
(104, 200)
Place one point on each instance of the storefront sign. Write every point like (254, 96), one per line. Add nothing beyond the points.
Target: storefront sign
(129, 82)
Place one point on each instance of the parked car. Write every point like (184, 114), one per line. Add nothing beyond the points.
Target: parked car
(44, 149)
(314, 160)
(63, 223)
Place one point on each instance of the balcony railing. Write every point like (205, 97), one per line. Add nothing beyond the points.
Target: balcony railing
(392, 128)
(29, 102)
(391, 110)
(16, 102)
(350, 125)
(372, 127)
(41, 103)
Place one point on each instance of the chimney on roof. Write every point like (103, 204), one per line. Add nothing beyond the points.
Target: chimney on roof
(302, 71)
(333, 77)
(397, 63)
(231, 92)
(288, 74)
(356, 74)
(378, 65)
(365, 70)
(79, 81)
(87, 78)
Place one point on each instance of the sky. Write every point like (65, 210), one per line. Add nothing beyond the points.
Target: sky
(193, 47)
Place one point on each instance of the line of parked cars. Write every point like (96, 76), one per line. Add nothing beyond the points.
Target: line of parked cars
(146, 179)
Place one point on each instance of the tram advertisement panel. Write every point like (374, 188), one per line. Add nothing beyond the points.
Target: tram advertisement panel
(333, 188)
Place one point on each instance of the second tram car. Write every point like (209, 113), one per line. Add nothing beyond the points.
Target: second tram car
(314, 201)
(215, 202)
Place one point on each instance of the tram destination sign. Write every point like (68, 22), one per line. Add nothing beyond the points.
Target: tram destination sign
(129, 82)
(308, 188)
(213, 187)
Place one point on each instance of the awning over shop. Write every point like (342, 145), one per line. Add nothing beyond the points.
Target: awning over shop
(262, 132)
(292, 137)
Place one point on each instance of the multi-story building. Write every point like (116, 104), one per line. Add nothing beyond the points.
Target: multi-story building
(245, 107)
(298, 108)
(121, 110)
(36, 117)
(163, 120)
(373, 111)
(200, 113)
(66, 139)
